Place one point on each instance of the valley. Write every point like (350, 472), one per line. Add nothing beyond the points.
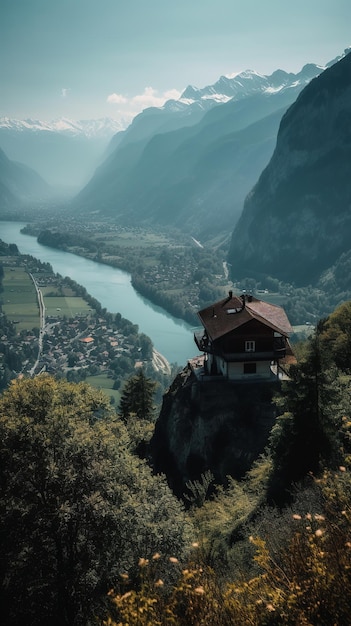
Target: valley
(166, 266)
(174, 272)
(175, 314)
(165, 204)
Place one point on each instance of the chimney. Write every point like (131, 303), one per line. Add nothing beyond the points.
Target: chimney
(228, 298)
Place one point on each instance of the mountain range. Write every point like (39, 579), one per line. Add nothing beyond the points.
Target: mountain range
(65, 153)
(191, 163)
(105, 127)
(296, 221)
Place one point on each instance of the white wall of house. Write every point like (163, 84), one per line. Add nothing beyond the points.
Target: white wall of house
(235, 371)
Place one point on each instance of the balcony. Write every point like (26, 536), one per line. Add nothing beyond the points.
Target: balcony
(278, 350)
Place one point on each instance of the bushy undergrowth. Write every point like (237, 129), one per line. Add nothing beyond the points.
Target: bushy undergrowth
(300, 572)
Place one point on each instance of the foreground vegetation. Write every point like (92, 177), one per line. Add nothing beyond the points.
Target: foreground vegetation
(77, 506)
(89, 535)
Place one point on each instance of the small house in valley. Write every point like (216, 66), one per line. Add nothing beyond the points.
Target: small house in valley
(244, 338)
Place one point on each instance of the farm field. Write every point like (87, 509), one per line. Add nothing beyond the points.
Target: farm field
(20, 303)
(19, 297)
(101, 381)
(273, 298)
(65, 306)
(131, 238)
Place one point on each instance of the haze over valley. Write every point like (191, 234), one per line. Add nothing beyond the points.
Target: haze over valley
(172, 165)
(185, 169)
(175, 313)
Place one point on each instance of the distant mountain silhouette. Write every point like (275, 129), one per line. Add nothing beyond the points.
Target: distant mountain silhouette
(63, 152)
(19, 183)
(296, 221)
(191, 163)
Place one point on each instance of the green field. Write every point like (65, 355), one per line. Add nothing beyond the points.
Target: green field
(19, 297)
(20, 302)
(133, 239)
(273, 298)
(69, 306)
(101, 381)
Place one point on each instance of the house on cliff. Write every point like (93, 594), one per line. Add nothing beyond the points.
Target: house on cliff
(244, 339)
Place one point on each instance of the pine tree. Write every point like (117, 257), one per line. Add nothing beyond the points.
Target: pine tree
(137, 397)
(306, 437)
(335, 336)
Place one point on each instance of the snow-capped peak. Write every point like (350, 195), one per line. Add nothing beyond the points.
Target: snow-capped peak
(105, 127)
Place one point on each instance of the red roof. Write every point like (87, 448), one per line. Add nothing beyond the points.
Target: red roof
(234, 311)
(86, 339)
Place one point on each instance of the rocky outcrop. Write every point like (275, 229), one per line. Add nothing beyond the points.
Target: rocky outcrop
(215, 425)
(296, 221)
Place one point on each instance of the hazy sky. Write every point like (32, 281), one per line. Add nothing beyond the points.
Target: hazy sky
(86, 59)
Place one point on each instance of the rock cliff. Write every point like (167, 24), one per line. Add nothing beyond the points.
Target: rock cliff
(215, 425)
(296, 221)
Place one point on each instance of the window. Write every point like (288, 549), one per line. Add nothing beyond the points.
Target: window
(249, 368)
(249, 346)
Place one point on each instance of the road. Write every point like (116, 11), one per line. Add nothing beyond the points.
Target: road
(41, 324)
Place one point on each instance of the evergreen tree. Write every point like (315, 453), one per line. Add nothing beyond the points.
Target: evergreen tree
(137, 397)
(335, 336)
(307, 436)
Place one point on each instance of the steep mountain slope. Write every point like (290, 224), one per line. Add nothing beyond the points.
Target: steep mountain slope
(296, 221)
(19, 183)
(157, 173)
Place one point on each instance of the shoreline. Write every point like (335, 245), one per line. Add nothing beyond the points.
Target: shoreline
(160, 362)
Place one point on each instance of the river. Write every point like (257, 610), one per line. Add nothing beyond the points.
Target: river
(113, 289)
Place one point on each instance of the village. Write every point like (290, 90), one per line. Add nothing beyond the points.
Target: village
(50, 324)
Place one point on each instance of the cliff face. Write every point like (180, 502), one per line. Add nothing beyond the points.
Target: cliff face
(215, 425)
(296, 221)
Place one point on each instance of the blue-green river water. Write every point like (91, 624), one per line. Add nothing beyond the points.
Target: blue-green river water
(113, 289)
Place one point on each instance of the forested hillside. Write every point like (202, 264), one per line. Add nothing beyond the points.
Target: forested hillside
(90, 535)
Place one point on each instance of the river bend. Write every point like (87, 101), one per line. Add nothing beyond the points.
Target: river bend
(112, 287)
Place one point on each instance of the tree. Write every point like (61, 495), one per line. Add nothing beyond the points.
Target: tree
(72, 359)
(77, 508)
(335, 336)
(145, 344)
(307, 435)
(137, 397)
